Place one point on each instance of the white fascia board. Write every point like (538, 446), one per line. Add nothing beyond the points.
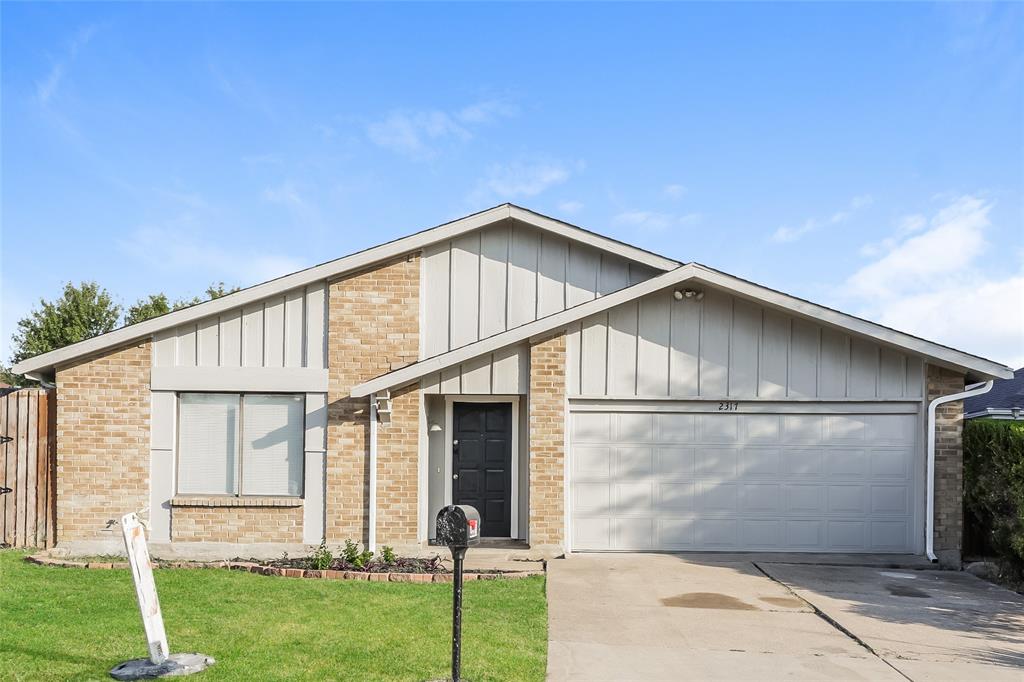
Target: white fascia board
(411, 373)
(239, 379)
(583, 236)
(331, 269)
(984, 369)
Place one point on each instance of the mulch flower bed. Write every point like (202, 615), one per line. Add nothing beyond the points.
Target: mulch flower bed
(403, 570)
(399, 565)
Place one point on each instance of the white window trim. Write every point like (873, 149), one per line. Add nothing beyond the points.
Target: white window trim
(449, 425)
(238, 445)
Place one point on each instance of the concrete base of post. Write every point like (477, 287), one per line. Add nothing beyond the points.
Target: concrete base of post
(175, 666)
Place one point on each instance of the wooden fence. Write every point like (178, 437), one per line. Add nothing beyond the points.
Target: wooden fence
(28, 466)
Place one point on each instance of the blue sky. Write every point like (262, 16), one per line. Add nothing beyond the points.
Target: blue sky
(865, 156)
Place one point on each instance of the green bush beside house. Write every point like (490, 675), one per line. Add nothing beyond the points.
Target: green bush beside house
(994, 487)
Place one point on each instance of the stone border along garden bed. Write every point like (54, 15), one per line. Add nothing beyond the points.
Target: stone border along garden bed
(253, 567)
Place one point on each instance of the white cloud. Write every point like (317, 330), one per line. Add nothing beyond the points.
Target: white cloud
(487, 111)
(285, 193)
(675, 191)
(526, 178)
(787, 233)
(931, 280)
(791, 234)
(412, 133)
(178, 246)
(905, 226)
(570, 207)
(653, 220)
(954, 240)
(47, 88)
(418, 133)
(861, 201)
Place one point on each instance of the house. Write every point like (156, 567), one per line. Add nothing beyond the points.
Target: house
(1004, 401)
(583, 394)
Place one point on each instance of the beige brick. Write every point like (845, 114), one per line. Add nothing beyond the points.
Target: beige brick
(547, 441)
(102, 442)
(373, 325)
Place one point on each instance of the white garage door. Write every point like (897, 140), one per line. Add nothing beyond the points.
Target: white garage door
(749, 482)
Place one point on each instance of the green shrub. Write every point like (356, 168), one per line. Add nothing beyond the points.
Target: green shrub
(994, 484)
(354, 557)
(321, 557)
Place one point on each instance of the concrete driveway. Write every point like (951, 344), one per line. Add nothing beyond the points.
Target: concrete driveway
(675, 617)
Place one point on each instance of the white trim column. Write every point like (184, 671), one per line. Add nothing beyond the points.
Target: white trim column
(313, 507)
(162, 432)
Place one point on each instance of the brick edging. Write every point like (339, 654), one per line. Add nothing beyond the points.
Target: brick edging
(250, 567)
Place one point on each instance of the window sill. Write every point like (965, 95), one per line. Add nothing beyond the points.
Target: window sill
(228, 501)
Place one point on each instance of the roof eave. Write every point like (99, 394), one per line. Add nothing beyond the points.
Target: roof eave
(47, 362)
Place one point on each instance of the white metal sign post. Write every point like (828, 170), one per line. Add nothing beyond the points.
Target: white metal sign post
(145, 587)
(160, 663)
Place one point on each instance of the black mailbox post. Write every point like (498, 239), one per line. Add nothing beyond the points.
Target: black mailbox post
(458, 528)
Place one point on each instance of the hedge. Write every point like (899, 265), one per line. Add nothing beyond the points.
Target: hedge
(994, 484)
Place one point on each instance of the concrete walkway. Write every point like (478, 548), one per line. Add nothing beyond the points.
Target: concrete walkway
(677, 617)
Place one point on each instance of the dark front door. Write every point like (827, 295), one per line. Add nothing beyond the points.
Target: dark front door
(482, 463)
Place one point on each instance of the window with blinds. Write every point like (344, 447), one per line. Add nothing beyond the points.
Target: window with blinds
(231, 444)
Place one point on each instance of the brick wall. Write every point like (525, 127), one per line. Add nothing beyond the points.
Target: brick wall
(373, 327)
(236, 524)
(102, 442)
(547, 442)
(398, 471)
(949, 464)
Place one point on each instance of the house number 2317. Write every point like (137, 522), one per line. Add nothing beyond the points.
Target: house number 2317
(728, 406)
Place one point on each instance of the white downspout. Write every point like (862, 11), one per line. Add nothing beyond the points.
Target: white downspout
(371, 540)
(976, 389)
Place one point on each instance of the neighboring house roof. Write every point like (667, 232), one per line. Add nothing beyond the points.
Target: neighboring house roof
(1006, 396)
(351, 263)
(975, 366)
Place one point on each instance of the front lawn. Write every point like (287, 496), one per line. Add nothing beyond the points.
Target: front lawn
(76, 624)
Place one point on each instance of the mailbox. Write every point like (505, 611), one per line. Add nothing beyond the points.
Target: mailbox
(458, 525)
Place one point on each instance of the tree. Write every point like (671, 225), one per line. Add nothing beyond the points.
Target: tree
(156, 304)
(159, 304)
(80, 313)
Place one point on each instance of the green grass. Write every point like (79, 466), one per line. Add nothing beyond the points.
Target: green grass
(76, 624)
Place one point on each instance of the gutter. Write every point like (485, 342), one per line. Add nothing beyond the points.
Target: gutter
(371, 540)
(976, 389)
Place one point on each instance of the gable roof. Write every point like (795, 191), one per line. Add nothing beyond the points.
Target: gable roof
(1005, 395)
(975, 366)
(340, 266)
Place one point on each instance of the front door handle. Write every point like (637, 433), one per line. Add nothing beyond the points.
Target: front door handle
(455, 476)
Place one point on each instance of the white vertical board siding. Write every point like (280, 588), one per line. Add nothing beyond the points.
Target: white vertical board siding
(208, 343)
(435, 269)
(493, 281)
(728, 347)
(273, 332)
(465, 297)
(294, 328)
(504, 372)
(282, 331)
(230, 325)
(523, 263)
(554, 254)
(594, 349)
(652, 345)
(504, 276)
